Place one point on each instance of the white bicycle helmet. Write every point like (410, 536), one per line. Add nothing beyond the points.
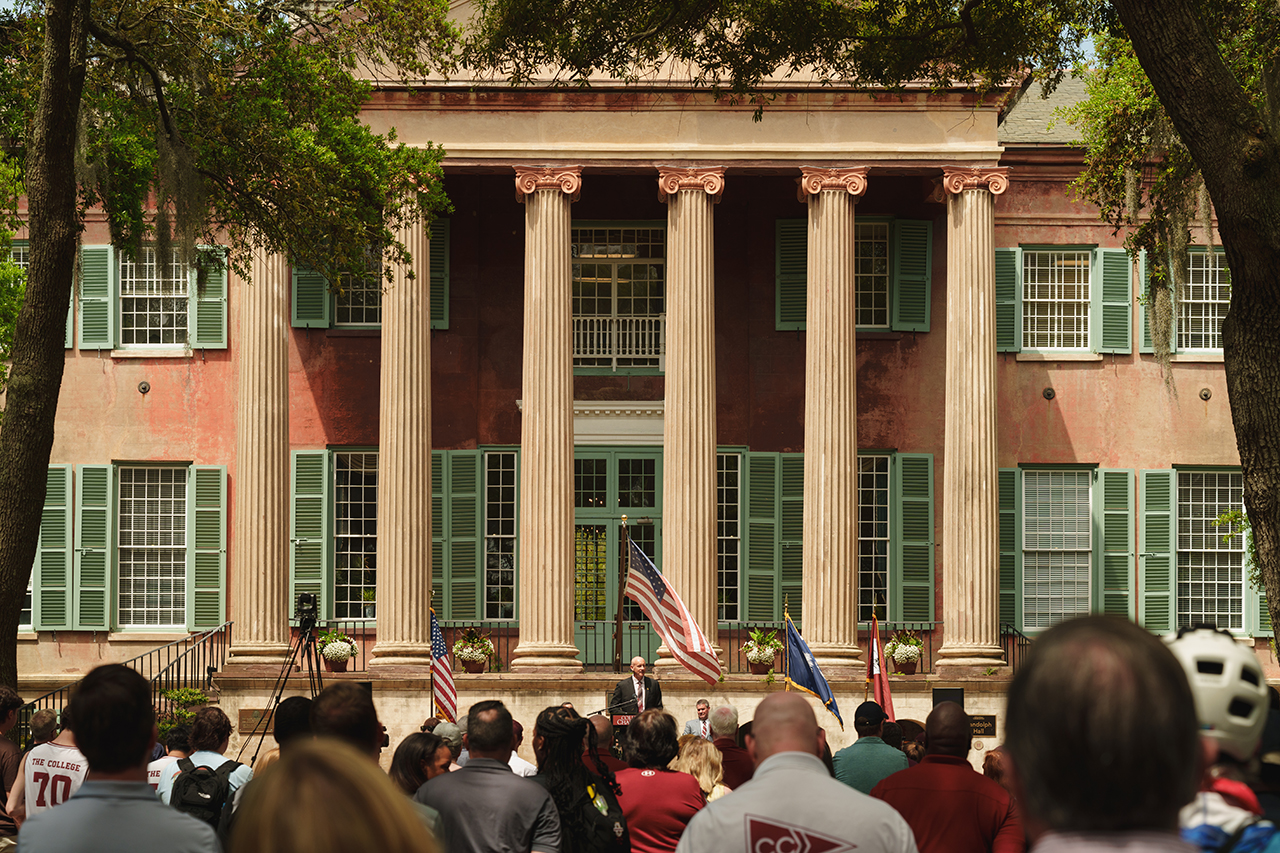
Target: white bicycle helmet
(1230, 692)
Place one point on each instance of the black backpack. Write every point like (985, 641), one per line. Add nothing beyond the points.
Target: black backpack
(204, 793)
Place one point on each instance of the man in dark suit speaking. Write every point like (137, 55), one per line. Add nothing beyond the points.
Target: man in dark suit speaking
(636, 693)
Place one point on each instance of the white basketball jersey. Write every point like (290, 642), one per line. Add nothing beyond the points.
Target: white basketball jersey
(53, 773)
(155, 768)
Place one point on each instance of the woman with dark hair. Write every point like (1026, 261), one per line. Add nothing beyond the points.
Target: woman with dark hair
(418, 758)
(591, 819)
(657, 801)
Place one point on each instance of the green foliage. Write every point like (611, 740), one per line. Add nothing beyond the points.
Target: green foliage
(205, 122)
(12, 277)
(741, 44)
(1237, 523)
(181, 700)
(769, 677)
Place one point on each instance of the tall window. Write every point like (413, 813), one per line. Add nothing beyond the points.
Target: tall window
(1204, 305)
(873, 537)
(359, 301)
(871, 274)
(729, 535)
(500, 535)
(619, 297)
(153, 300)
(153, 546)
(1057, 546)
(1210, 571)
(355, 516)
(1055, 300)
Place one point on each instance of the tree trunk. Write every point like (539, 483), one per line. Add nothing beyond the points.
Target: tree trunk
(26, 437)
(1239, 158)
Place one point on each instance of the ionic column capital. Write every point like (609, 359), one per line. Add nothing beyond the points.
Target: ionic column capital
(814, 179)
(530, 179)
(672, 179)
(957, 179)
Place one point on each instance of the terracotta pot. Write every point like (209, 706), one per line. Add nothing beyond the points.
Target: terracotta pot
(908, 668)
(335, 665)
(474, 666)
(759, 668)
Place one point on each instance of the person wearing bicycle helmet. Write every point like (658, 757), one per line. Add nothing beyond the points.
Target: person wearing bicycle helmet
(1231, 705)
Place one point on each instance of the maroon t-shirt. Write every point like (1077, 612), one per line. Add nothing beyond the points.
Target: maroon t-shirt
(658, 805)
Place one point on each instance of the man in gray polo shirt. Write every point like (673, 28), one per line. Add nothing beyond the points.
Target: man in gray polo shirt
(863, 763)
(115, 809)
(484, 806)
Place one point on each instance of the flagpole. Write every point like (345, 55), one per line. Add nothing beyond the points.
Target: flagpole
(786, 643)
(624, 539)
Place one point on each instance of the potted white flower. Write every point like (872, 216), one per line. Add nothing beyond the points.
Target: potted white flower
(474, 649)
(761, 649)
(904, 649)
(337, 648)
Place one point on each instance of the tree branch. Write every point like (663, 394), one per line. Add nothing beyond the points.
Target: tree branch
(157, 85)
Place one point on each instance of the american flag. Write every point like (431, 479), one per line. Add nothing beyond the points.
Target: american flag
(442, 689)
(648, 588)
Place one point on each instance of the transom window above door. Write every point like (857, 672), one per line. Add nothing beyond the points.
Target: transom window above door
(619, 297)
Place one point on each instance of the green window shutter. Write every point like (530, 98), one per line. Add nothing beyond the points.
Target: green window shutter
(438, 521)
(311, 530)
(1113, 540)
(761, 537)
(466, 492)
(312, 302)
(98, 314)
(440, 274)
(1144, 276)
(1116, 307)
(1157, 603)
(209, 308)
(207, 547)
(791, 254)
(94, 525)
(1010, 503)
(791, 533)
(1261, 622)
(912, 270)
(1008, 305)
(51, 575)
(913, 546)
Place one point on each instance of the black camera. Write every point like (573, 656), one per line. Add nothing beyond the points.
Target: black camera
(308, 612)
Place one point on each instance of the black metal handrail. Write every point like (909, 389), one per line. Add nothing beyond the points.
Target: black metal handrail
(188, 662)
(1015, 644)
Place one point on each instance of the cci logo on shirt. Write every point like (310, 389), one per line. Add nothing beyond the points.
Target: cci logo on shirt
(765, 835)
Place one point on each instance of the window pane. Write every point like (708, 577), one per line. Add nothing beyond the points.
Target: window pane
(873, 537)
(1204, 304)
(619, 296)
(1055, 300)
(153, 300)
(152, 546)
(500, 535)
(729, 536)
(1210, 570)
(1057, 546)
(871, 274)
(355, 517)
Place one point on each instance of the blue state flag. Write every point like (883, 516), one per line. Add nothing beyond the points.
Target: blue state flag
(803, 672)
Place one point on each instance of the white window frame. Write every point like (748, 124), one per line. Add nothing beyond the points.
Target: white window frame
(1052, 539)
(1197, 530)
(1207, 272)
(180, 273)
(153, 522)
(366, 607)
(729, 523)
(873, 274)
(1059, 255)
(875, 533)
(501, 531)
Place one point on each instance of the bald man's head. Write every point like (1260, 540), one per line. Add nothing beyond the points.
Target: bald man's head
(604, 730)
(784, 722)
(947, 731)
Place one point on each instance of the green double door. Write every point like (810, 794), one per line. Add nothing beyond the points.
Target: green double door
(608, 484)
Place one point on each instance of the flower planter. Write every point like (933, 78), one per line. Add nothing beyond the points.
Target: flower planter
(759, 668)
(335, 665)
(474, 666)
(908, 668)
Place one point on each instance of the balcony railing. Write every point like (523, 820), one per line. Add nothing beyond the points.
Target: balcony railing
(620, 342)
(1015, 644)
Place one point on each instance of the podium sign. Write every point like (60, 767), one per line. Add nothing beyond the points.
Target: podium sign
(623, 719)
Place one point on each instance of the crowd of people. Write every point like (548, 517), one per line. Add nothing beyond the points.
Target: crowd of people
(1115, 741)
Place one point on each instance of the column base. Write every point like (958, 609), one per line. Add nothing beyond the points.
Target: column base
(665, 664)
(414, 655)
(961, 657)
(839, 661)
(258, 654)
(545, 657)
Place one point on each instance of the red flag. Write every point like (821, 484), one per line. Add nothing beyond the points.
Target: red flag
(876, 676)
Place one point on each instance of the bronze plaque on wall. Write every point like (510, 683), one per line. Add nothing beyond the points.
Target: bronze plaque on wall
(983, 725)
(250, 721)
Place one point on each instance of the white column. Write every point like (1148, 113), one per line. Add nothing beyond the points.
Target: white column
(259, 567)
(546, 437)
(404, 460)
(689, 421)
(970, 488)
(830, 550)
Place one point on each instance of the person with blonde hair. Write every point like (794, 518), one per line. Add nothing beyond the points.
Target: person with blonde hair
(323, 795)
(700, 759)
